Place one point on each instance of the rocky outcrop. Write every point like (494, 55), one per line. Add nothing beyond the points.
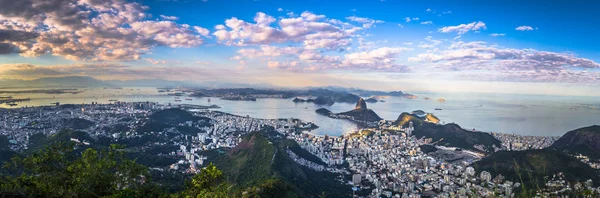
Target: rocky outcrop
(361, 104)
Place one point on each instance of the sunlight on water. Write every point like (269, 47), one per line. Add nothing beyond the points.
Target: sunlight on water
(520, 114)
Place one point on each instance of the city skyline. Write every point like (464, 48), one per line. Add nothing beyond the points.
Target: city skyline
(464, 46)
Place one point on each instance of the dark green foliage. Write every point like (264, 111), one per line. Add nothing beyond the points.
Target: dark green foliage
(260, 159)
(453, 135)
(533, 167)
(56, 172)
(77, 124)
(39, 141)
(426, 148)
(271, 188)
(152, 126)
(585, 141)
(323, 111)
(449, 134)
(306, 155)
(173, 116)
(248, 164)
(210, 182)
(4, 144)
(187, 130)
(362, 114)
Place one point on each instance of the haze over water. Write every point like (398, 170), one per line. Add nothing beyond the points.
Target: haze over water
(506, 113)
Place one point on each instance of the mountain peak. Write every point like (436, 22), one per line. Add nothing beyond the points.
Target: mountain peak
(361, 104)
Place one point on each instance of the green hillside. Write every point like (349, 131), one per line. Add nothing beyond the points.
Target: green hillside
(449, 134)
(261, 158)
(585, 141)
(532, 167)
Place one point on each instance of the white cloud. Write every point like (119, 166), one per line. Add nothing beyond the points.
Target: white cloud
(202, 31)
(268, 51)
(400, 25)
(408, 19)
(366, 22)
(524, 28)
(170, 18)
(463, 28)
(312, 30)
(478, 56)
(430, 43)
(279, 9)
(428, 10)
(497, 34)
(155, 62)
(427, 22)
(383, 58)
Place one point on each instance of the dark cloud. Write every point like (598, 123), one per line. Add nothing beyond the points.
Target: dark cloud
(6, 48)
(89, 29)
(17, 36)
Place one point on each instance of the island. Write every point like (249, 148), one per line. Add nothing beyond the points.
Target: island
(360, 114)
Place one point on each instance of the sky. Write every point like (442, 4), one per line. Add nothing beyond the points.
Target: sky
(511, 46)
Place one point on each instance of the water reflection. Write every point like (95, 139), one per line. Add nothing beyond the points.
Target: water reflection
(521, 114)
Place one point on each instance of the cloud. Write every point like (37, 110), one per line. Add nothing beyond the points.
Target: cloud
(202, 31)
(497, 34)
(88, 29)
(170, 18)
(6, 48)
(427, 22)
(400, 25)
(478, 56)
(313, 31)
(428, 10)
(279, 9)
(431, 43)
(155, 62)
(268, 51)
(366, 22)
(408, 19)
(463, 28)
(524, 28)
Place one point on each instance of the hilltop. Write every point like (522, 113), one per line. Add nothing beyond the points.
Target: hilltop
(449, 134)
(362, 113)
(535, 167)
(261, 157)
(585, 141)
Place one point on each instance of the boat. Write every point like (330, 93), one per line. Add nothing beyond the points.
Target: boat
(209, 100)
(438, 109)
(188, 99)
(177, 100)
(176, 97)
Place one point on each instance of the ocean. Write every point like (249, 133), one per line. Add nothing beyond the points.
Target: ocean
(538, 115)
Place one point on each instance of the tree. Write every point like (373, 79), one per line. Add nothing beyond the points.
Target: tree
(210, 182)
(57, 171)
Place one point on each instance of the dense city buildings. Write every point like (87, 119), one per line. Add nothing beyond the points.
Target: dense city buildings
(385, 160)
